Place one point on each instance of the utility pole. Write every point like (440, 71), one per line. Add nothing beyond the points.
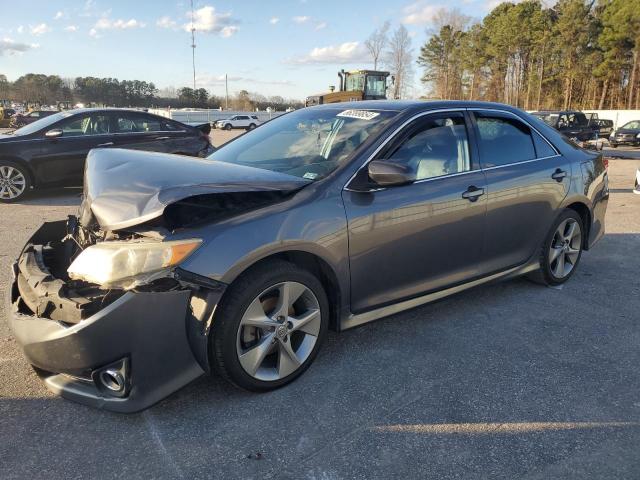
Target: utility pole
(226, 92)
(193, 47)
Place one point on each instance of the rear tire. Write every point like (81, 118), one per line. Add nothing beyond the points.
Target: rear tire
(562, 249)
(260, 341)
(15, 182)
(252, 126)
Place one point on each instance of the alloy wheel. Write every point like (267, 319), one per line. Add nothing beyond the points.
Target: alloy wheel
(278, 331)
(12, 182)
(565, 248)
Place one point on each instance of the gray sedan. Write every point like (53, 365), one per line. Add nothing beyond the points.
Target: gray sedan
(327, 217)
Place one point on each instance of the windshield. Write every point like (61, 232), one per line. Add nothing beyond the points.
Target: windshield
(634, 125)
(308, 143)
(42, 123)
(376, 85)
(548, 118)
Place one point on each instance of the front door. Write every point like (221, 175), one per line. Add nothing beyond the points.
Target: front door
(408, 240)
(62, 158)
(527, 181)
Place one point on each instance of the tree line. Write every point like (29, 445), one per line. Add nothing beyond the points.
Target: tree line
(576, 54)
(39, 90)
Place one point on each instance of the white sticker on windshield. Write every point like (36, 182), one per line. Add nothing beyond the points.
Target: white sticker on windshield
(359, 114)
(310, 176)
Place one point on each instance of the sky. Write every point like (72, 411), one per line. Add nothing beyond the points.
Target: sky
(292, 48)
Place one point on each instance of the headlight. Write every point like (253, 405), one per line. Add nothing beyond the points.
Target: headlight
(638, 135)
(121, 264)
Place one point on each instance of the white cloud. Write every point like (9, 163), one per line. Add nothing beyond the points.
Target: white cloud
(321, 25)
(20, 29)
(58, 15)
(9, 47)
(166, 22)
(94, 33)
(349, 52)
(107, 24)
(71, 28)
(301, 19)
(228, 31)
(40, 29)
(274, 20)
(420, 13)
(207, 20)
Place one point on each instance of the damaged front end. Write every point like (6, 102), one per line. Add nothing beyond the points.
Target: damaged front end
(100, 304)
(119, 348)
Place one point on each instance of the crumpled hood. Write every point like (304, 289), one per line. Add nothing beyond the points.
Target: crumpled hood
(123, 188)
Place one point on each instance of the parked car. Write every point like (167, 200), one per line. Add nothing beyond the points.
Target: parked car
(628, 134)
(52, 151)
(327, 217)
(570, 123)
(603, 127)
(22, 119)
(248, 122)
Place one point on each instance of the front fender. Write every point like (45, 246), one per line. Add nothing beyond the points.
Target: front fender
(317, 226)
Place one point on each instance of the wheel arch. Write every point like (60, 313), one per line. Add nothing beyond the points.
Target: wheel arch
(317, 266)
(584, 211)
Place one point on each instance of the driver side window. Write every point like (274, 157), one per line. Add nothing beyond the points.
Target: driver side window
(438, 146)
(86, 125)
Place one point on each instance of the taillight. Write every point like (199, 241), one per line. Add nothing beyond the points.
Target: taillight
(605, 162)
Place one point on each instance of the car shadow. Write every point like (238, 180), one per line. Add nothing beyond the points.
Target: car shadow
(60, 197)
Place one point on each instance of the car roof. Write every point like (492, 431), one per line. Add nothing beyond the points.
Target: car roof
(75, 111)
(416, 105)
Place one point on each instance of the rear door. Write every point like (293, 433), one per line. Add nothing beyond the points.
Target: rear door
(527, 181)
(410, 239)
(137, 131)
(62, 158)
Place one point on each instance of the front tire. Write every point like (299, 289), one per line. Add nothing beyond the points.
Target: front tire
(15, 182)
(562, 249)
(227, 126)
(269, 326)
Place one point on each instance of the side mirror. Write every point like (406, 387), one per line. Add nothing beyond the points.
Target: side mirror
(55, 133)
(387, 174)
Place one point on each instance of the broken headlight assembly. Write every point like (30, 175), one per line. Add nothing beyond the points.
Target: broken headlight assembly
(126, 264)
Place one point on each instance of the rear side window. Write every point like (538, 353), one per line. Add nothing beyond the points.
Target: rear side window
(503, 140)
(543, 149)
(137, 124)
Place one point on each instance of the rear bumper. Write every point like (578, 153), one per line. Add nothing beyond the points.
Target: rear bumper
(150, 339)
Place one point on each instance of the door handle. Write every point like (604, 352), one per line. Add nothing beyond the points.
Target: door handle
(473, 193)
(558, 175)
(161, 138)
(108, 144)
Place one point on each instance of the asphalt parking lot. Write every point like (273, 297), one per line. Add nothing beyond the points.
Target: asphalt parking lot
(511, 380)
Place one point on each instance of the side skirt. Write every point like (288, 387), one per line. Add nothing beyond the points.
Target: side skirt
(354, 320)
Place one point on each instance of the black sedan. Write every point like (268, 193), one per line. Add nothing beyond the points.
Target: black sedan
(628, 134)
(52, 151)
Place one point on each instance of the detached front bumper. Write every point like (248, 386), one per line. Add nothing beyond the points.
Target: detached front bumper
(124, 357)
